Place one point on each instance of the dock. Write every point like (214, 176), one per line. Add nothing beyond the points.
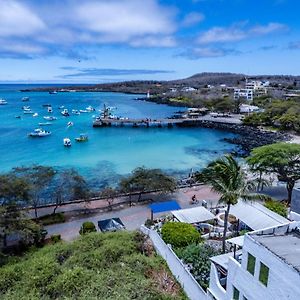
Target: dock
(180, 122)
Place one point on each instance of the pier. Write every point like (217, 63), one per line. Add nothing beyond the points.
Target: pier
(180, 122)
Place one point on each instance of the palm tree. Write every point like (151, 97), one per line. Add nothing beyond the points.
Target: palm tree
(226, 177)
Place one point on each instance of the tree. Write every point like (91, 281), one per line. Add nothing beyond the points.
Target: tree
(110, 194)
(69, 185)
(38, 177)
(283, 159)
(144, 180)
(87, 227)
(227, 178)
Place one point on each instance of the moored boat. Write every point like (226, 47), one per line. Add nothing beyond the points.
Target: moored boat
(35, 115)
(82, 138)
(69, 124)
(50, 110)
(25, 99)
(53, 92)
(45, 124)
(67, 142)
(50, 118)
(75, 112)
(90, 108)
(39, 133)
(3, 102)
(65, 113)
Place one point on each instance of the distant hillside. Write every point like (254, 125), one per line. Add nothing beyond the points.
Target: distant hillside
(197, 81)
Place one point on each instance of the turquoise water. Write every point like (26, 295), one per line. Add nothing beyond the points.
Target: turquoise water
(110, 152)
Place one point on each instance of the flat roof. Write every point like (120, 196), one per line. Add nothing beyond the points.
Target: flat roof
(223, 259)
(256, 216)
(193, 215)
(285, 246)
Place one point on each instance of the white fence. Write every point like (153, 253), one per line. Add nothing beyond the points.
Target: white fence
(191, 287)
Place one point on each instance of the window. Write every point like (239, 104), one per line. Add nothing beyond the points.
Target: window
(264, 274)
(236, 293)
(251, 264)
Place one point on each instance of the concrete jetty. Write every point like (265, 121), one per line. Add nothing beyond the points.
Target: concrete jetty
(180, 122)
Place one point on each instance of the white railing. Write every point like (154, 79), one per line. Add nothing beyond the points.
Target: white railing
(191, 287)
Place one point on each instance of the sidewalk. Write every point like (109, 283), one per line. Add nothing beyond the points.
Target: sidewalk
(132, 217)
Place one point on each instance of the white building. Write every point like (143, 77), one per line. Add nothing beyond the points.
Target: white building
(267, 267)
(246, 94)
(258, 87)
(245, 108)
(188, 89)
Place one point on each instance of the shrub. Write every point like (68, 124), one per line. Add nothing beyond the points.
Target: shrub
(180, 234)
(52, 219)
(197, 257)
(277, 207)
(55, 238)
(87, 227)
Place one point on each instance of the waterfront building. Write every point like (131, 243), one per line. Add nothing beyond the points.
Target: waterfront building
(267, 267)
(245, 108)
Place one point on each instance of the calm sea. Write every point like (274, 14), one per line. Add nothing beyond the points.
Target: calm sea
(110, 152)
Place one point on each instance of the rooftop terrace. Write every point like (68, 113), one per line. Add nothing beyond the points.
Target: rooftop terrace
(285, 246)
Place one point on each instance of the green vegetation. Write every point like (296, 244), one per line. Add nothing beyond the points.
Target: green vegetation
(227, 178)
(95, 266)
(197, 256)
(142, 180)
(110, 194)
(52, 219)
(282, 159)
(87, 227)
(277, 113)
(55, 238)
(277, 207)
(180, 234)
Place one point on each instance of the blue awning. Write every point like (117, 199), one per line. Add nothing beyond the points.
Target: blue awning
(164, 206)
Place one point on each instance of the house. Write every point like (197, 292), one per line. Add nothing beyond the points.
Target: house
(246, 94)
(188, 89)
(267, 267)
(245, 108)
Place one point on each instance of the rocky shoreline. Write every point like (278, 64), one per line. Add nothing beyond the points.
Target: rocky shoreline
(247, 137)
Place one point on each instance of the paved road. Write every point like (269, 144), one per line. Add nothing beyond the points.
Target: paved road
(132, 217)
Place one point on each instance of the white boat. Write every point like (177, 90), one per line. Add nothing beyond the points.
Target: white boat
(65, 113)
(39, 133)
(83, 111)
(25, 99)
(28, 112)
(90, 108)
(26, 108)
(70, 124)
(50, 110)
(82, 138)
(3, 102)
(61, 107)
(75, 112)
(35, 115)
(50, 118)
(45, 124)
(53, 92)
(67, 142)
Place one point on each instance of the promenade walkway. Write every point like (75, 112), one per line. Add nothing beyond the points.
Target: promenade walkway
(132, 217)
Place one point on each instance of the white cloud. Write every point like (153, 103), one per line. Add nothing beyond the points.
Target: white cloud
(192, 19)
(221, 35)
(237, 32)
(17, 20)
(125, 20)
(269, 28)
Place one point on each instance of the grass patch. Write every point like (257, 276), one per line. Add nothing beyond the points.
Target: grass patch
(277, 207)
(95, 266)
(52, 219)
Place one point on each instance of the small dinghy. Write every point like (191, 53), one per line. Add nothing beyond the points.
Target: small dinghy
(67, 142)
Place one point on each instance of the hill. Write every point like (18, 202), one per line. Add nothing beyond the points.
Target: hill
(95, 266)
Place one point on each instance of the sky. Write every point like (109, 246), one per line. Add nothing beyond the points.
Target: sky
(91, 41)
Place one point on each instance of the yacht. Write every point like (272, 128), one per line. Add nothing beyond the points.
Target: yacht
(3, 102)
(69, 124)
(67, 142)
(65, 113)
(90, 108)
(83, 111)
(26, 108)
(53, 92)
(35, 115)
(50, 110)
(25, 99)
(39, 133)
(50, 118)
(28, 112)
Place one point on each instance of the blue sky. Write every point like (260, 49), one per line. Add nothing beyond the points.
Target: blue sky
(112, 40)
